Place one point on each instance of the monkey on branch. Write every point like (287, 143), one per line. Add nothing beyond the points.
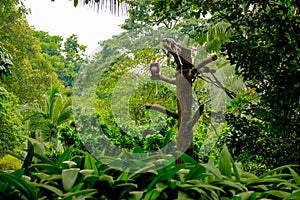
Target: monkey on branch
(154, 69)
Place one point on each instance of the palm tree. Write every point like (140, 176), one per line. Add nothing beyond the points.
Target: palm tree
(116, 7)
(43, 122)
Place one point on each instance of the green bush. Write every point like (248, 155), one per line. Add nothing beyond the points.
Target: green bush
(9, 162)
(11, 127)
(249, 142)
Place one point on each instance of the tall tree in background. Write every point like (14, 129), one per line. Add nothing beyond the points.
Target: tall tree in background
(31, 73)
(66, 57)
(74, 59)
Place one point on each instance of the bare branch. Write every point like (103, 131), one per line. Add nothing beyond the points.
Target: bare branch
(164, 78)
(230, 93)
(162, 110)
(206, 61)
(202, 68)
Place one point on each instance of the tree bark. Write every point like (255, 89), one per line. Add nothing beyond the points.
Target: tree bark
(184, 105)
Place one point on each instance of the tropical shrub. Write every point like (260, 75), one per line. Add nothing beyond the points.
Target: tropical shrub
(156, 177)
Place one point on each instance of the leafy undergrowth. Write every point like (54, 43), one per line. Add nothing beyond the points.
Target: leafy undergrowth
(78, 175)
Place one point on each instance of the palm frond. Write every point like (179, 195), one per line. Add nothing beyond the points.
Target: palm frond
(115, 7)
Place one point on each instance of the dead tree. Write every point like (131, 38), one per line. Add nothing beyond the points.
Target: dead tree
(186, 73)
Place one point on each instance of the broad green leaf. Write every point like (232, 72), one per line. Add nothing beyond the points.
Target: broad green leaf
(145, 169)
(295, 176)
(18, 173)
(124, 176)
(278, 169)
(81, 194)
(136, 195)
(236, 170)
(187, 159)
(233, 184)
(160, 187)
(197, 172)
(152, 195)
(225, 163)
(69, 177)
(294, 195)
(90, 163)
(44, 159)
(182, 195)
(51, 169)
(48, 177)
(168, 175)
(63, 157)
(107, 178)
(19, 184)
(167, 138)
(249, 195)
(215, 171)
(278, 193)
(50, 188)
(28, 159)
(199, 184)
(77, 187)
(15, 155)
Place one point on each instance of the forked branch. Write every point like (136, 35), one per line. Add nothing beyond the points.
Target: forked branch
(162, 110)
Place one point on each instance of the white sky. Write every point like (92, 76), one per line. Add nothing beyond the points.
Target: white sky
(62, 18)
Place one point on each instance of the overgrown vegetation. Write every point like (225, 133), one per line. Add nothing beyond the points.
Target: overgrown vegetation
(82, 176)
(73, 128)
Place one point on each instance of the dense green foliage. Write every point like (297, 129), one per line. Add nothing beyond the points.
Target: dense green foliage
(31, 73)
(11, 122)
(264, 47)
(43, 121)
(270, 65)
(65, 59)
(81, 176)
(105, 144)
(5, 62)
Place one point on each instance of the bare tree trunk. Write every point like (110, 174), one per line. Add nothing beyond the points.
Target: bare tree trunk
(184, 104)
